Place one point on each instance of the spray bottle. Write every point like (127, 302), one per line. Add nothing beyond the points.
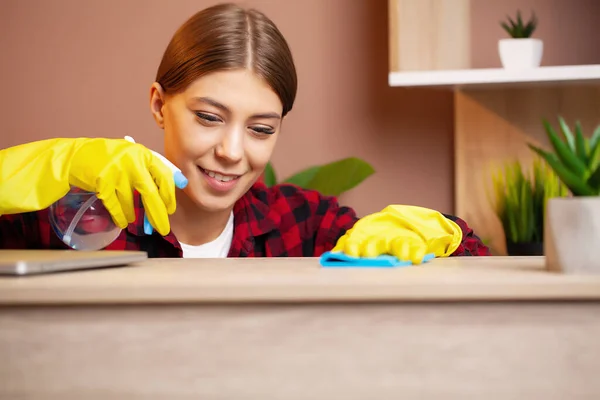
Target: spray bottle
(82, 222)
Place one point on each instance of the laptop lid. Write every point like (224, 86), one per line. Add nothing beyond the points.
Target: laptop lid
(29, 262)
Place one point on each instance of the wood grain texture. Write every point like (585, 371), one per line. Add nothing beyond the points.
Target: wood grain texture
(429, 34)
(393, 35)
(494, 125)
(426, 351)
(301, 280)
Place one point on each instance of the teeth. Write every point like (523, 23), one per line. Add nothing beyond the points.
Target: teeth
(219, 177)
(223, 178)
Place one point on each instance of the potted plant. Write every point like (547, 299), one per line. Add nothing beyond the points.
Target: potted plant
(572, 225)
(519, 201)
(331, 179)
(520, 51)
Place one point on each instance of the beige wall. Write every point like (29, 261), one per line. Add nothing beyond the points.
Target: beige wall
(84, 68)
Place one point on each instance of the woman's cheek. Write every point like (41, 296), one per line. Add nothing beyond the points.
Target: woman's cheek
(259, 153)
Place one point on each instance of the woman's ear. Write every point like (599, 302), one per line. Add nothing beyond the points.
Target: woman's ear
(157, 102)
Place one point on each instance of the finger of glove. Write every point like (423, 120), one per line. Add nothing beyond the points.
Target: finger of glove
(113, 205)
(145, 183)
(374, 246)
(124, 193)
(408, 249)
(156, 211)
(353, 247)
(164, 181)
(418, 253)
(341, 244)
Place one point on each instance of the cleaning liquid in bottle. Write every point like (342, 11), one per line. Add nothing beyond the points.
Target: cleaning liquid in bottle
(82, 222)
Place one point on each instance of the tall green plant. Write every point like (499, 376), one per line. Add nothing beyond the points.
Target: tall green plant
(331, 179)
(576, 159)
(520, 199)
(519, 30)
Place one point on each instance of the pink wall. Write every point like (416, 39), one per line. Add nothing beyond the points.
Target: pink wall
(567, 27)
(84, 68)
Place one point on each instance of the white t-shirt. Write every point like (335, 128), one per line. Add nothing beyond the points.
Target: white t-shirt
(218, 248)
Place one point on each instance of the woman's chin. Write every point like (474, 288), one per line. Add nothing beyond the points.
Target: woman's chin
(209, 202)
(211, 199)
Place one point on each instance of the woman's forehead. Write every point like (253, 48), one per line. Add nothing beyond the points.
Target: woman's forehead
(235, 89)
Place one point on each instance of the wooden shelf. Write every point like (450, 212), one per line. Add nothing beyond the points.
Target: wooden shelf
(488, 77)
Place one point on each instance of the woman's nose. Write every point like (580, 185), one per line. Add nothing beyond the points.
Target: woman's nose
(231, 147)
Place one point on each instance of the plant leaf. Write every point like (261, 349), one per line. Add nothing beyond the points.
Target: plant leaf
(594, 149)
(566, 131)
(513, 27)
(577, 186)
(520, 198)
(568, 158)
(304, 177)
(595, 137)
(340, 176)
(270, 177)
(594, 180)
(507, 28)
(531, 25)
(581, 145)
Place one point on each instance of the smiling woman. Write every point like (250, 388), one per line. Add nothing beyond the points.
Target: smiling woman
(225, 84)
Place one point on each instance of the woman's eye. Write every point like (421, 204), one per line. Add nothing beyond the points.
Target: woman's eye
(208, 117)
(263, 130)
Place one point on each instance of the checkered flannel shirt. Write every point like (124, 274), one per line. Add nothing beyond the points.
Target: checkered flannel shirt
(281, 221)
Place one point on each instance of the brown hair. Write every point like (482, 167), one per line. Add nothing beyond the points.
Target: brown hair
(227, 36)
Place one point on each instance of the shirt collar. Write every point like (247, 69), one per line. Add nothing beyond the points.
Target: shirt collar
(253, 214)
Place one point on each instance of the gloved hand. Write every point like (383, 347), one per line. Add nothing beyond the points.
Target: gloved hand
(406, 232)
(35, 175)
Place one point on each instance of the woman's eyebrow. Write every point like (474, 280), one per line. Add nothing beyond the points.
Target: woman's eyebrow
(267, 116)
(214, 103)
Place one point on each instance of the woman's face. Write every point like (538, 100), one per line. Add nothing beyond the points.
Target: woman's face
(221, 132)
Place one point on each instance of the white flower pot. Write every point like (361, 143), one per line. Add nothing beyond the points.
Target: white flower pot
(572, 235)
(518, 54)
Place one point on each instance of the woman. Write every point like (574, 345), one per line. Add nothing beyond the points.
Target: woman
(224, 86)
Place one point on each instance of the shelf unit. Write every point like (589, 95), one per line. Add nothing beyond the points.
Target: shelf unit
(497, 112)
(497, 77)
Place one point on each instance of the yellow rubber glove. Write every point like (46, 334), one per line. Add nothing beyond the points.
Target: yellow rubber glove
(35, 175)
(406, 232)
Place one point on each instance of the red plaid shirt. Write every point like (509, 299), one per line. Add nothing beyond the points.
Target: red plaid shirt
(282, 221)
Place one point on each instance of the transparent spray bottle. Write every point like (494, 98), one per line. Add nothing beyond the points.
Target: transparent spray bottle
(82, 222)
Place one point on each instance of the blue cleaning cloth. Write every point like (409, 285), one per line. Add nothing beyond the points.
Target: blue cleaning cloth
(341, 260)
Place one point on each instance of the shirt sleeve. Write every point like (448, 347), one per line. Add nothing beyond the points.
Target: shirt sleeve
(19, 231)
(336, 220)
(333, 221)
(471, 244)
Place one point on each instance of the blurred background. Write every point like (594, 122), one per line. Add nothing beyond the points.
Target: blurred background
(84, 68)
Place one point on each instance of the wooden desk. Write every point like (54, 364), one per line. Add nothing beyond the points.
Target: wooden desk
(460, 328)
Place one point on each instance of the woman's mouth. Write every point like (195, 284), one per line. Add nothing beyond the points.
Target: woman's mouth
(219, 181)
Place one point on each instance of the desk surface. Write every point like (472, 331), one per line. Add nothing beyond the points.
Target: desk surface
(301, 280)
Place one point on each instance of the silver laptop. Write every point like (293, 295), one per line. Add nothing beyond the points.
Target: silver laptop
(30, 262)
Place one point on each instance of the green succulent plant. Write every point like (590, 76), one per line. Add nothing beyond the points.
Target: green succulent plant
(331, 179)
(520, 198)
(518, 30)
(575, 160)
